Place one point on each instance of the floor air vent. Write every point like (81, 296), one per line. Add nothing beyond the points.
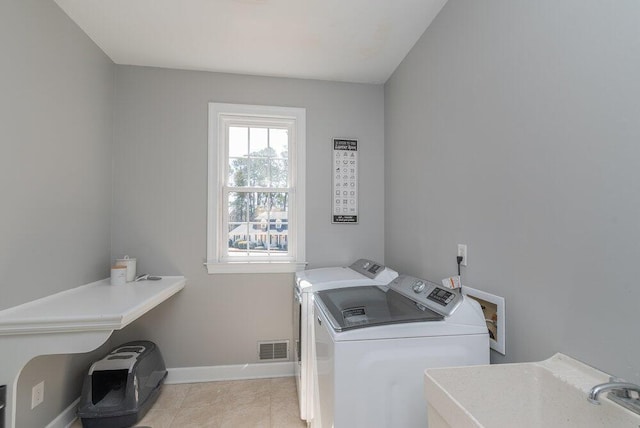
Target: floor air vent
(273, 350)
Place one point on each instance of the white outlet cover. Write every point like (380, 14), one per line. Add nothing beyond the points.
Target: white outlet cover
(462, 251)
(37, 394)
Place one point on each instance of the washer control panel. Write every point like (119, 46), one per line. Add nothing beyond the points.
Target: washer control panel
(427, 294)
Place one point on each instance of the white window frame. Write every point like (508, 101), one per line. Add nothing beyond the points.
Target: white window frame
(220, 116)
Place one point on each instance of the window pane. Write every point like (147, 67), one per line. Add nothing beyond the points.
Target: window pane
(279, 206)
(278, 228)
(278, 223)
(257, 237)
(279, 173)
(238, 172)
(279, 142)
(258, 142)
(238, 141)
(237, 232)
(259, 172)
(238, 207)
(239, 248)
(263, 206)
(271, 231)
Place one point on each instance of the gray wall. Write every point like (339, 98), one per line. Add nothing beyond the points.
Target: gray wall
(160, 203)
(55, 169)
(512, 126)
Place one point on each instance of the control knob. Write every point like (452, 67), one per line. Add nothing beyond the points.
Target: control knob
(418, 287)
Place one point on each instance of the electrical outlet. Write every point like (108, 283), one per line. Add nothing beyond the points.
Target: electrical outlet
(37, 394)
(462, 252)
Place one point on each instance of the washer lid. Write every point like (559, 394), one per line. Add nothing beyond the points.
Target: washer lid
(366, 306)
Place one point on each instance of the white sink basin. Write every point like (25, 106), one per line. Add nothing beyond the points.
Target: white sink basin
(550, 393)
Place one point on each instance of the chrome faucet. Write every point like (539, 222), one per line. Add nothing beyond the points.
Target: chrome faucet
(619, 393)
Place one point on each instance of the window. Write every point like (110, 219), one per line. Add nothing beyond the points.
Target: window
(256, 189)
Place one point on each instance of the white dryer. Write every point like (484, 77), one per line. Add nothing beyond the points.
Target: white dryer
(362, 272)
(374, 343)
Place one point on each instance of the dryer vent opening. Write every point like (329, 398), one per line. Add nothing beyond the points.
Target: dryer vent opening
(273, 350)
(108, 387)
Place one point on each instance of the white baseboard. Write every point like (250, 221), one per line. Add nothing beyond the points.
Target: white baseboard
(66, 418)
(196, 375)
(232, 372)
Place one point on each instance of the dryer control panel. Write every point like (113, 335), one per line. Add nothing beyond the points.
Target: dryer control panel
(373, 270)
(427, 294)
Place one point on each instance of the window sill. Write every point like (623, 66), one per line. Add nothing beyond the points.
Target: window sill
(254, 267)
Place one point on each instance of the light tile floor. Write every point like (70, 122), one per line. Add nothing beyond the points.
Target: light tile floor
(264, 403)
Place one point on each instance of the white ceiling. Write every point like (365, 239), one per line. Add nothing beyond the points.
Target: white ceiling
(342, 40)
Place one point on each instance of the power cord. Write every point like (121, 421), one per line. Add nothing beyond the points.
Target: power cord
(459, 260)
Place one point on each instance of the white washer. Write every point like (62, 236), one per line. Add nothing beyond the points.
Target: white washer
(374, 343)
(362, 272)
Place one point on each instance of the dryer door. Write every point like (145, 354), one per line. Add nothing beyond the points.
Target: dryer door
(323, 374)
